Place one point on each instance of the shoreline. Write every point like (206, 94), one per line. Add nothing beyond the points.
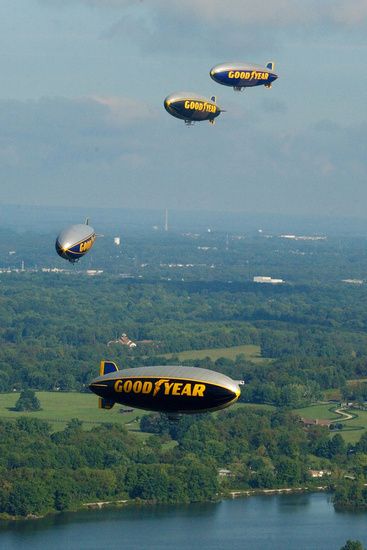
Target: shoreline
(227, 495)
(271, 492)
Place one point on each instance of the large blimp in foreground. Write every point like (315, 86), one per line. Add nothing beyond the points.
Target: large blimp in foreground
(244, 75)
(75, 241)
(191, 107)
(168, 389)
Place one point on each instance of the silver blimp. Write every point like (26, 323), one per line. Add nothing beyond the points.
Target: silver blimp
(191, 107)
(244, 75)
(75, 241)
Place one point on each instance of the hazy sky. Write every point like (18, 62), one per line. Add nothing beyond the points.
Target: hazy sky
(82, 119)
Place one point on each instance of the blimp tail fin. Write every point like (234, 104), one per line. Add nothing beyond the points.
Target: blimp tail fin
(105, 403)
(270, 65)
(86, 221)
(212, 120)
(106, 367)
(213, 98)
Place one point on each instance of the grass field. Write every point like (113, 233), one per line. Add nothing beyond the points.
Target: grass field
(252, 353)
(59, 407)
(353, 429)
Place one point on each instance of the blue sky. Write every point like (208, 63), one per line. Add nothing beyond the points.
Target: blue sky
(82, 119)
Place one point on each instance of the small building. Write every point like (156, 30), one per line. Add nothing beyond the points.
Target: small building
(307, 422)
(268, 280)
(223, 472)
(319, 473)
(124, 340)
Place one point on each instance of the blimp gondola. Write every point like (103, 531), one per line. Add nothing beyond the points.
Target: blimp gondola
(244, 75)
(168, 389)
(191, 107)
(75, 241)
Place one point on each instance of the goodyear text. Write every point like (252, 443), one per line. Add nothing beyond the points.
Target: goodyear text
(160, 387)
(248, 75)
(86, 245)
(200, 106)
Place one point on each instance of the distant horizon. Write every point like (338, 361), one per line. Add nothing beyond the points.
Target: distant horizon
(25, 217)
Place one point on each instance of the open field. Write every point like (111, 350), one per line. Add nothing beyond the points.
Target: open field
(252, 353)
(60, 407)
(320, 410)
(353, 429)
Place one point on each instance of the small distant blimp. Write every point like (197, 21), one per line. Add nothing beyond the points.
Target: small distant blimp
(244, 75)
(75, 241)
(191, 107)
(168, 389)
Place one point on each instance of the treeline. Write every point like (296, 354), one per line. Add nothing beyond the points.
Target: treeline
(42, 472)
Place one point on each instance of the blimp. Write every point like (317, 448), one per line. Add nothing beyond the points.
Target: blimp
(192, 107)
(167, 389)
(244, 75)
(75, 241)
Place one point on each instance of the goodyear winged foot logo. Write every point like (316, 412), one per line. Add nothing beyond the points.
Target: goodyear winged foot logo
(163, 386)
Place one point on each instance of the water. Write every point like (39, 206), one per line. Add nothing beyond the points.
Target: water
(286, 522)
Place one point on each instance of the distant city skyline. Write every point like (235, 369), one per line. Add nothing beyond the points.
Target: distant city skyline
(82, 121)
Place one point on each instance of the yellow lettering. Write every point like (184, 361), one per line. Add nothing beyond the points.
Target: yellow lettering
(198, 390)
(137, 386)
(176, 388)
(128, 386)
(231, 74)
(186, 390)
(167, 387)
(118, 386)
(187, 104)
(147, 387)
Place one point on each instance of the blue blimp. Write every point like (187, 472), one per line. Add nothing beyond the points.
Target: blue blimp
(191, 107)
(243, 75)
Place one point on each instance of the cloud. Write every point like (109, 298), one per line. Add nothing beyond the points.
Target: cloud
(87, 152)
(283, 13)
(125, 110)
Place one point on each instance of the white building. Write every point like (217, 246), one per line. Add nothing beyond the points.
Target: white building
(269, 280)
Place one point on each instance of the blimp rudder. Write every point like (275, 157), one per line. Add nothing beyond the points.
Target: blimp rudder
(106, 367)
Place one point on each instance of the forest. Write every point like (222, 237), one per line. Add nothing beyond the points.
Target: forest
(55, 328)
(311, 332)
(44, 472)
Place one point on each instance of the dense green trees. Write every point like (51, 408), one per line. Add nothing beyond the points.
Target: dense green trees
(55, 328)
(352, 545)
(42, 471)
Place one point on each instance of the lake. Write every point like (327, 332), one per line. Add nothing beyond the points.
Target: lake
(300, 522)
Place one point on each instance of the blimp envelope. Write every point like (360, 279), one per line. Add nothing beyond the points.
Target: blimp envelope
(75, 241)
(191, 107)
(243, 75)
(170, 389)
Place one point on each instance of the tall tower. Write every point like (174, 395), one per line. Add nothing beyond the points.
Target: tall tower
(166, 219)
